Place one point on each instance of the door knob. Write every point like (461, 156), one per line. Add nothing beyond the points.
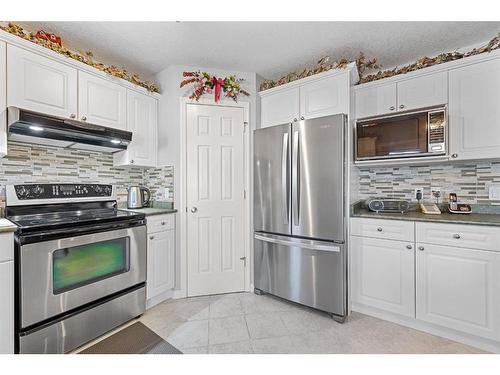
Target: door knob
(457, 236)
(151, 237)
(409, 247)
(194, 209)
(421, 248)
(454, 156)
(84, 118)
(295, 119)
(72, 115)
(391, 108)
(379, 229)
(302, 117)
(401, 106)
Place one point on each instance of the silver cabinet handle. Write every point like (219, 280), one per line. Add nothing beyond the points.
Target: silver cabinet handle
(392, 108)
(421, 248)
(302, 118)
(454, 156)
(194, 209)
(409, 247)
(311, 245)
(84, 118)
(457, 236)
(401, 106)
(379, 229)
(72, 115)
(151, 237)
(284, 178)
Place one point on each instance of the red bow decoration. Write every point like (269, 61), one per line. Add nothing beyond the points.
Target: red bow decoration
(50, 37)
(218, 83)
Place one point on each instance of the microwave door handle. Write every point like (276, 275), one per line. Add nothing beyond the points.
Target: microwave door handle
(295, 178)
(284, 178)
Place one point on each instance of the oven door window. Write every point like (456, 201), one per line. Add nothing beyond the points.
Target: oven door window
(392, 137)
(73, 267)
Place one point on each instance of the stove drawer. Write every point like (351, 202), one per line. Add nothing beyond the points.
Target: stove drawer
(63, 274)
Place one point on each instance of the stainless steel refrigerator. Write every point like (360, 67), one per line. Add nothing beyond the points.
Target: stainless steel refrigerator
(299, 218)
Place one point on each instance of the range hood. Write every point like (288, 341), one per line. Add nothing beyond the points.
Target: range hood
(32, 127)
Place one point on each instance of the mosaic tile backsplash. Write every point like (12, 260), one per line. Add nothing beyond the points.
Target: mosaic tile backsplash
(27, 163)
(470, 181)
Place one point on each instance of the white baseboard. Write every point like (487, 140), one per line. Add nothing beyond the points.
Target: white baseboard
(464, 338)
(159, 299)
(179, 293)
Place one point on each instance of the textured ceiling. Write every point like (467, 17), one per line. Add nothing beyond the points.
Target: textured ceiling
(267, 48)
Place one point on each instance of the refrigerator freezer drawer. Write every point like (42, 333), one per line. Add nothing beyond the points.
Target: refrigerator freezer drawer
(308, 272)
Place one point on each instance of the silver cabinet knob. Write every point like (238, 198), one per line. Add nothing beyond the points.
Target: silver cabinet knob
(132, 161)
(401, 106)
(392, 108)
(84, 118)
(409, 247)
(379, 229)
(295, 119)
(421, 248)
(162, 223)
(151, 237)
(302, 117)
(194, 209)
(72, 115)
(457, 236)
(454, 156)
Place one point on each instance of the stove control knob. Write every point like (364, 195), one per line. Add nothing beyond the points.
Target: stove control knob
(22, 191)
(107, 190)
(97, 189)
(37, 190)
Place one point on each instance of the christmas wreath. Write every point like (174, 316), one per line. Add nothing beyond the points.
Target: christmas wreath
(207, 83)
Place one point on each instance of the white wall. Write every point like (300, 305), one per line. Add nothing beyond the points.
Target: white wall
(169, 118)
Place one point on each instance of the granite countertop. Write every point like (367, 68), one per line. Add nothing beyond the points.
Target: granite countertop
(7, 226)
(149, 211)
(492, 219)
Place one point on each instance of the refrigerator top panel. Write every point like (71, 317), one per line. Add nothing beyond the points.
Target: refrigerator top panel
(318, 178)
(272, 179)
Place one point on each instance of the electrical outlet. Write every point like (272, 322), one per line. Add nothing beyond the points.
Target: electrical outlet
(436, 194)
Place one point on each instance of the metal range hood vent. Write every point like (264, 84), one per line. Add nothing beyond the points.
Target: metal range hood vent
(32, 127)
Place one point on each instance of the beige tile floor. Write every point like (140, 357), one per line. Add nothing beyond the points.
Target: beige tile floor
(248, 323)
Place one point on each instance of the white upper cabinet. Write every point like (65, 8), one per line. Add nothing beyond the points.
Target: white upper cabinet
(280, 107)
(101, 102)
(40, 84)
(458, 288)
(424, 91)
(375, 100)
(324, 97)
(404, 95)
(3, 99)
(142, 121)
(474, 111)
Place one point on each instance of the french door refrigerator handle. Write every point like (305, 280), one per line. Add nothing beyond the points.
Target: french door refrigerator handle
(304, 245)
(284, 179)
(295, 178)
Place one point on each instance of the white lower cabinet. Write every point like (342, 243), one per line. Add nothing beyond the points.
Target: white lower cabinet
(6, 293)
(160, 260)
(383, 274)
(459, 288)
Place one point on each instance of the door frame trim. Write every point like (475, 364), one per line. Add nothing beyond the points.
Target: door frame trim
(181, 291)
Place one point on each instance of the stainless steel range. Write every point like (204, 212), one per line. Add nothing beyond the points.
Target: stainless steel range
(80, 264)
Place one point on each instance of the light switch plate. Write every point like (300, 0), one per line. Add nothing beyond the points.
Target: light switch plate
(494, 193)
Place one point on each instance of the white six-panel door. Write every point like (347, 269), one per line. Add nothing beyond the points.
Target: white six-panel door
(215, 200)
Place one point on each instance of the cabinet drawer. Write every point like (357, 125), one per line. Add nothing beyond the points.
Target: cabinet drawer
(457, 235)
(6, 247)
(385, 229)
(159, 223)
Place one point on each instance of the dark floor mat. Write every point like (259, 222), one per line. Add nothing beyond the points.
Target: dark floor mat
(135, 339)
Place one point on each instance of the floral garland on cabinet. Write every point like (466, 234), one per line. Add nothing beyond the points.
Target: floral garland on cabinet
(363, 65)
(54, 43)
(206, 83)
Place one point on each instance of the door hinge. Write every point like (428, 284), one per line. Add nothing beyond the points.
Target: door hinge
(244, 194)
(245, 124)
(244, 259)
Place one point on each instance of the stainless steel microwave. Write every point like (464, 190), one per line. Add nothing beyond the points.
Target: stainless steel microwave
(406, 135)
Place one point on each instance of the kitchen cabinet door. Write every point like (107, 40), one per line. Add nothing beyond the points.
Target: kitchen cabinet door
(142, 121)
(325, 97)
(7, 307)
(459, 288)
(376, 100)
(425, 91)
(280, 107)
(101, 102)
(383, 274)
(41, 84)
(161, 266)
(3, 99)
(474, 111)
